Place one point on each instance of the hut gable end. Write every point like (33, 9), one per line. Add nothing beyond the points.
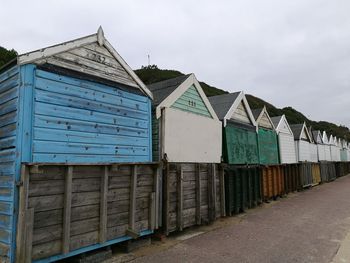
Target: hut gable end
(92, 55)
(284, 127)
(265, 122)
(92, 59)
(241, 114)
(191, 101)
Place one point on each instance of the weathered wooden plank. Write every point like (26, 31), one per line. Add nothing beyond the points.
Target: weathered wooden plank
(222, 191)
(29, 222)
(166, 191)
(152, 211)
(198, 195)
(66, 123)
(103, 205)
(90, 85)
(67, 210)
(179, 197)
(23, 205)
(133, 193)
(156, 189)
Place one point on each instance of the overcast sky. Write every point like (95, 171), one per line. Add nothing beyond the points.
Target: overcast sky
(290, 53)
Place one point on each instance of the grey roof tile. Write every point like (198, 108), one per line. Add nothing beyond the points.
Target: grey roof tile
(161, 90)
(222, 103)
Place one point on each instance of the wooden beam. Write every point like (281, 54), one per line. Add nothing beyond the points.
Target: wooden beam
(23, 205)
(103, 205)
(156, 190)
(132, 233)
(133, 188)
(210, 192)
(179, 220)
(67, 210)
(198, 194)
(166, 194)
(35, 169)
(213, 174)
(222, 191)
(152, 211)
(29, 235)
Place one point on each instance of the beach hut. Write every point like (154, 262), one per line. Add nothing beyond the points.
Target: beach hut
(186, 128)
(335, 149)
(302, 142)
(321, 147)
(285, 140)
(239, 128)
(327, 146)
(72, 118)
(343, 151)
(267, 137)
(313, 147)
(187, 136)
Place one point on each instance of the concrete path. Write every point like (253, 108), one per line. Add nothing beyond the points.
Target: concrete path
(309, 226)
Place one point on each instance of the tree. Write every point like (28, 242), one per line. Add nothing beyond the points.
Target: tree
(6, 55)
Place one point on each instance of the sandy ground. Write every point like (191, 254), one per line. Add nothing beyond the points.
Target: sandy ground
(309, 226)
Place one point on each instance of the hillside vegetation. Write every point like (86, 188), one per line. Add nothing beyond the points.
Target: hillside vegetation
(152, 74)
(6, 55)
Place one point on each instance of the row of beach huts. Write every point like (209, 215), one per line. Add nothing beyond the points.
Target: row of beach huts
(90, 156)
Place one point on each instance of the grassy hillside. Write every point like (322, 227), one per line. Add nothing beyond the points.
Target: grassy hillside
(153, 74)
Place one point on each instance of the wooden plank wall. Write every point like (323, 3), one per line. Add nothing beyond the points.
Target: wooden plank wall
(192, 102)
(9, 94)
(82, 205)
(193, 194)
(79, 121)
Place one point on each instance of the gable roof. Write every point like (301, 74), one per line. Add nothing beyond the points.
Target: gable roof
(276, 120)
(164, 88)
(168, 91)
(226, 104)
(98, 38)
(325, 139)
(223, 103)
(298, 129)
(259, 113)
(316, 135)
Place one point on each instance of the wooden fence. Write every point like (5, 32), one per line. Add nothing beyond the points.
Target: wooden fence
(63, 208)
(193, 194)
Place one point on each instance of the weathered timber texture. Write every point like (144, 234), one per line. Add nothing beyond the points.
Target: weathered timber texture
(242, 188)
(76, 206)
(192, 195)
(291, 178)
(272, 181)
(328, 171)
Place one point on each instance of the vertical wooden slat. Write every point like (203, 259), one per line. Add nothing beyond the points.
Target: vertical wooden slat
(29, 235)
(23, 204)
(152, 211)
(67, 210)
(156, 191)
(209, 189)
(198, 194)
(179, 197)
(132, 211)
(103, 205)
(166, 194)
(213, 175)
(222, 191)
